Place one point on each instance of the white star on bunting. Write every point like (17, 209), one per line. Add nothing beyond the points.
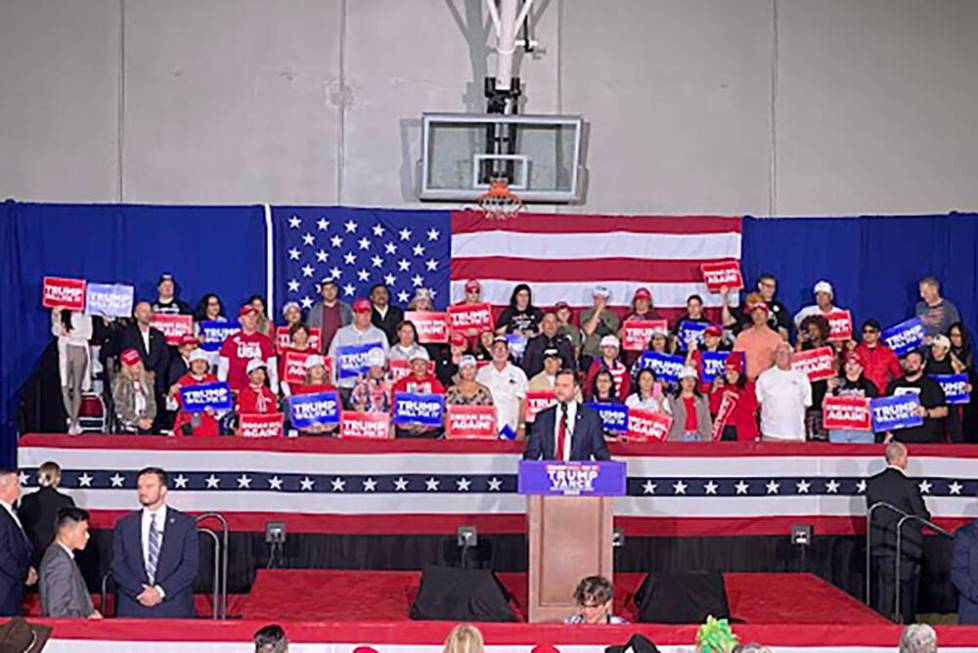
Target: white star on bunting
(212, 482)
(954, 488)
(431, 484)
(803, 486)
(117, 479)
(339, 485)
(180, 482)
(679, 487)
(369, 485)
(773, 487)
(306, 484)
(649, 487)
(275, 483)
(742, 487)
(463, 484)
(925, 486)
(495, 484)
(832, 486)
(85, 480)
(244, 482)
(400, 484)
(710, 487)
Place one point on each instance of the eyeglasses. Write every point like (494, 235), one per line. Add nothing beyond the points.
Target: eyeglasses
(867, 331)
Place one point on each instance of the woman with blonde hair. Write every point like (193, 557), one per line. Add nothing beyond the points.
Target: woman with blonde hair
(132, 395)
(464, 638)
(38, 510)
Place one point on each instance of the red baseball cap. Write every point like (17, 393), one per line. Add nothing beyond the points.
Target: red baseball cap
(364, 649)
(713, 330)
(855, 357)
(735, 362)
(473, 285)
(361, 306)
(187, 339)
(544, 648)
(457, 338)
(757, 306)
(561, 304)
(246, 309)
(642, 293)
(130, 357)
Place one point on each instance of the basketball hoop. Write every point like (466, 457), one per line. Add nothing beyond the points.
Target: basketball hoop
(500, 203)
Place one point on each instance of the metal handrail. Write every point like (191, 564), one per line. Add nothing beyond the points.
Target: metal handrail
(924, 522)
(217, 568)
(223, 562)
(105, 594)
(869, 531)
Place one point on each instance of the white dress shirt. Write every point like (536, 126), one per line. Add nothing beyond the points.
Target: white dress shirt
(67, 549)
(569, 434)
(160, 516)
(144, 333)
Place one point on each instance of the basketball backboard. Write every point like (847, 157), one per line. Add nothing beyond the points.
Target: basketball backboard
(540, 156)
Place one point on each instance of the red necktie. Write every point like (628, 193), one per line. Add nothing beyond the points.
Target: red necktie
(561, 432)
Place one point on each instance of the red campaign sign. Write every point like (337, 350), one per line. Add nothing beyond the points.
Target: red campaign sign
(470, 319)
(722, 273)
(817, 364)
(173, 326)
(646, 426)
(253, 425)
(471, 422)
(637, 333)
(538, 400)
(370, 426)
(841, 325)
(727, 406)
(401, 368)
(283, 340)
(432, 327)
(64, 293)
(295, 365)
(847, 413)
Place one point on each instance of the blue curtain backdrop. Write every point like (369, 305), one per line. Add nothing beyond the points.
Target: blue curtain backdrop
(207, 249)
(873, 262)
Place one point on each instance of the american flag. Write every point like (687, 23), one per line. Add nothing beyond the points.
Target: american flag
(357, 248)
(562, 257)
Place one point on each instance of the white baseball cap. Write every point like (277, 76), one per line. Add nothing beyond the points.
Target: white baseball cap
(466, 360)
(601, 291)
(941, 340)
(254, 364)
(421, 353)
(314, 360)
(198, 355)
(823, 286)
(688, 372)
(610, 341)
(376, 357)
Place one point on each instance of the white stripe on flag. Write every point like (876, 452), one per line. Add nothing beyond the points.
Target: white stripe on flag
(611, 244)
(578, 293)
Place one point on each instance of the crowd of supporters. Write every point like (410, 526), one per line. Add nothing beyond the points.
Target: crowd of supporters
(760, 393)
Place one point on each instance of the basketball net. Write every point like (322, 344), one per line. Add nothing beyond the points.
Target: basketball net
(499, 202)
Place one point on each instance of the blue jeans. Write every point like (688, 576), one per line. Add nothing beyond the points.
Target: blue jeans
(692, 437)
(845, 436)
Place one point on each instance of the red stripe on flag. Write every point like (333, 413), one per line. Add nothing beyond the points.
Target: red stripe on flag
(464, 222)
(586, 271)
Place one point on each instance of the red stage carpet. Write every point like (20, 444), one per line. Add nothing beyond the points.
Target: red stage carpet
(359, 596)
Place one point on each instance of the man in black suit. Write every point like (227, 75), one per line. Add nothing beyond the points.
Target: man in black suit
(568, 430)
(155, 555)
(15, 549)
(894, 487)
(151, 345)
(39, 510)
(384, 315)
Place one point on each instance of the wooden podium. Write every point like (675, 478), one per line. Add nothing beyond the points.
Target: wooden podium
(569, 526)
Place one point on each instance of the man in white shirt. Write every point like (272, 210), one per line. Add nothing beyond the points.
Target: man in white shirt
(784, 394)
(153, 580)
(508, 386)
(824, 294)
(15, 548)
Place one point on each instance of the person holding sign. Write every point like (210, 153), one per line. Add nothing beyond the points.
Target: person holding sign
(420, 380)
(880, 364)
(694, 314)
(712, 344)
(852, 383)
(608, 362)
(813, 333)
(255, 398)
(360, 332)
(508, 386)
(468, 391)
(298, 344)
(373, 391)
(940, 362)
(784, 394)
(691, 421)
(733, 401)
(133, 395)
(317, 381)
(567, 430)
(933, 406)
(202, 424)
(759, 341)
(648, 394)
(73, 330)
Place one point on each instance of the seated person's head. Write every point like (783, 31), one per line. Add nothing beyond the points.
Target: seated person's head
(271, 639)
(593, 596)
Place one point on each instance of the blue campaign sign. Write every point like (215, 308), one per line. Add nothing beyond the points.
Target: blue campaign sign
(905, 336)
(955, 387)
(666, 366)
(585, 479)
(690, 331)
(109, 299)
(214, 333)
(195, 398)
(714, 362)
(351, 360)
(517, 345)
(897, 412)
(423, 409)
(314, 409)
(614, 417)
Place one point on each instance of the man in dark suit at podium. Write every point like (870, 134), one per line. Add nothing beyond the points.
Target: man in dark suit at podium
(567, 431)
(896, 488)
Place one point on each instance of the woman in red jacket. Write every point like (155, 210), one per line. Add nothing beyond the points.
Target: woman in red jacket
(733, 386)
(255, 398)
(197, 424)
